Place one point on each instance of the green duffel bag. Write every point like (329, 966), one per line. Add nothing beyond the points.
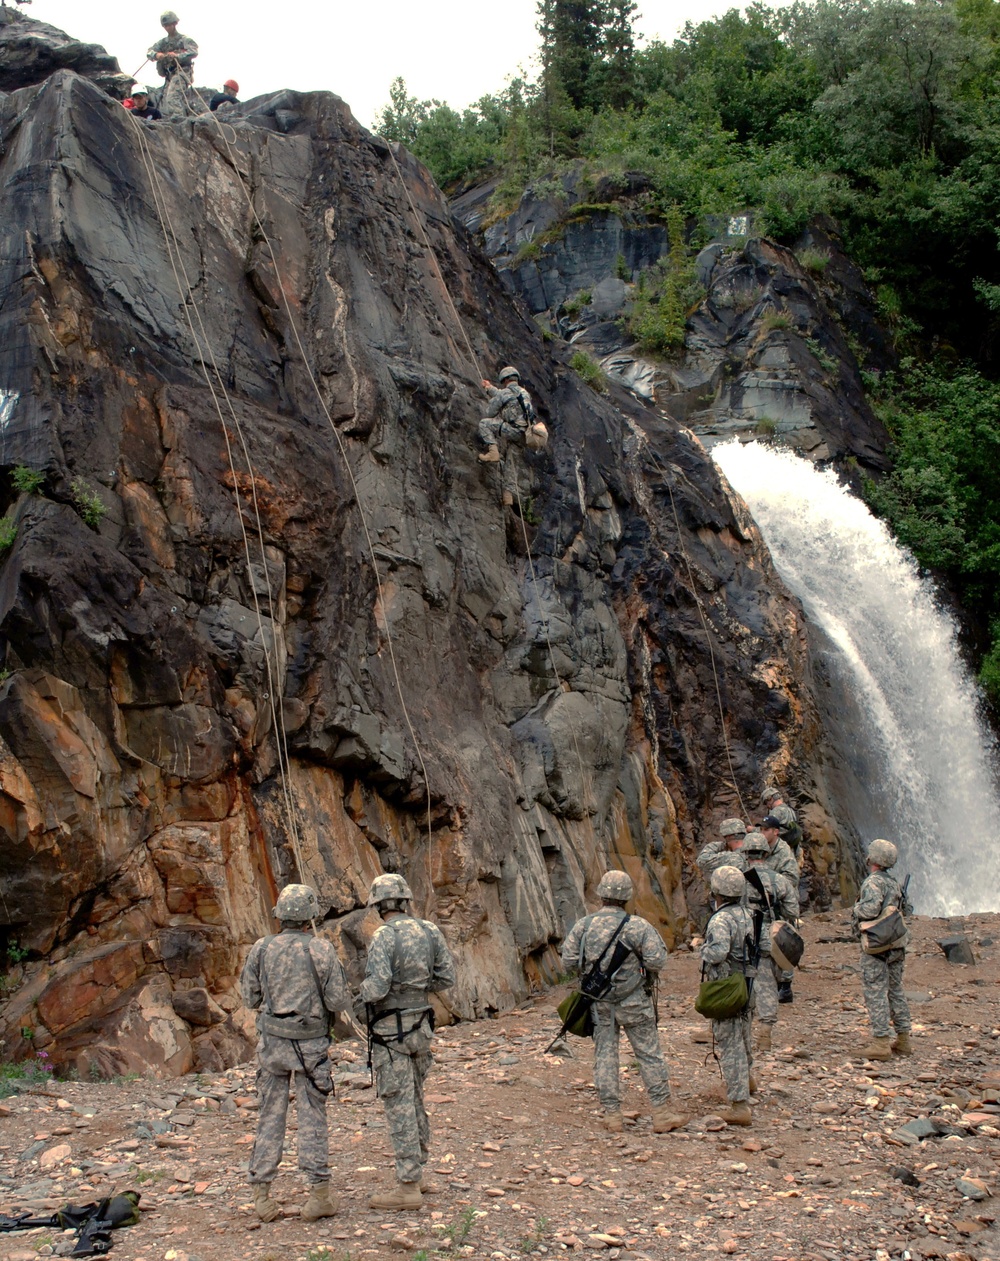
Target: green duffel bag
(722, 999)
(576, 1015)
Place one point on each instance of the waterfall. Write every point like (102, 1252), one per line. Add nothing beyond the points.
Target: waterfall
(913, 759)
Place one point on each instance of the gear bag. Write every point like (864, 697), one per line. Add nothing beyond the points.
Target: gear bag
(722, 999)
(886, 932)
(787, 946)
(575, 1009)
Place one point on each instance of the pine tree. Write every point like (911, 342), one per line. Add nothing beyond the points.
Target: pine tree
(571, 32)
(617, 77)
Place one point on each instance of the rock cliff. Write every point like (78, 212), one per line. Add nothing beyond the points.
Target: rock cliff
(213, 683)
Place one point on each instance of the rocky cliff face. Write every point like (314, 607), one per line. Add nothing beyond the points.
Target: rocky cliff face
(201, 700)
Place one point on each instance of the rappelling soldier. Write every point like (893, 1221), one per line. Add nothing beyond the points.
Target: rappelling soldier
(790, 829)
(295, 982)
(174, 56)
(408, 959)
(628, 1004)
(510, 420)
(724, 851)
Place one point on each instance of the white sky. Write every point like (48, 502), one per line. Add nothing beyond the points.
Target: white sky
(450, 49)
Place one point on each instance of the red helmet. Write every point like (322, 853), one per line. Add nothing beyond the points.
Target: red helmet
(231, 83)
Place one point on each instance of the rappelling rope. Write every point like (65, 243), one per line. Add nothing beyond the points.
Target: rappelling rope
(350, 473)
(188, 300)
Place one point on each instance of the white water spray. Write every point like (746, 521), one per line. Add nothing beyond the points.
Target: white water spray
(918, 760)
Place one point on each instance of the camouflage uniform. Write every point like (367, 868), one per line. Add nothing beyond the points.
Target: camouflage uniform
(508, 415)
(725, 951)
(628, 1006)
(785, 905)
(782, 860)
(716, 855)
(174, 102)
(882, 975)
(407, 958)
(790, 833)
(279, 978)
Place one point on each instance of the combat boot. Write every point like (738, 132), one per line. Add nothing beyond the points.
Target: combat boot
(763, 1037)
(902, 1045)
(785, 994)
(267, 1210)
(491, 455)
(753, 1084)
(877, 1049)
(613, 1123)
(405, 1196)
(664, 1120)
(321, 1203)
(738, 1114)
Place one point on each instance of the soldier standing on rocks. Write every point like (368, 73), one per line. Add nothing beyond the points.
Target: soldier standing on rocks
(882, 974)
(791, 831)
(726, 850)
(727, 946)
(174, 57)
(295, 982)
(407, 959)
(510, 416)
(779, 901)
(628, 1004)
(782, 861)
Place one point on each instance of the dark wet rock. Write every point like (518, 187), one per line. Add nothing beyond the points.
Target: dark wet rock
(957, 949)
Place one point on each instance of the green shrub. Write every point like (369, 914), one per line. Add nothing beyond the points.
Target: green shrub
(27, 480)
(8, 533)
(813, 260)
(665, 294)
(776, 320)
(88, 502)
(589, 370)
(573, 306)
(765, 427)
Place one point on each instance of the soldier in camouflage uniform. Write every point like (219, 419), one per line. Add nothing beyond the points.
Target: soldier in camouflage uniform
(407, 959)
(174, 57)
(510, 414)
(882, 974)
(628, 1004)
(724, 852)
(295, 982)
(791, 831)
(782, 861)
(727, 946)
(780, 903)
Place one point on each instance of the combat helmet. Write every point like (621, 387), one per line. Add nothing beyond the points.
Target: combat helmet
(728, 882)
(508, 374)
(296, 903)
(389, 888)
(755, 843)
(169, 18)
(769, 794)
(883, 854)
(732, 827)
(615, 886)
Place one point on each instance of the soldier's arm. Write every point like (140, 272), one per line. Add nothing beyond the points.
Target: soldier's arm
(444, 964)
(716, 945)
(869, 903)
(707, 860)
(250, 985)
(570, 953)
(651, 950)
(497, 400)
(336, 993)
(378, 973)
(788, 899)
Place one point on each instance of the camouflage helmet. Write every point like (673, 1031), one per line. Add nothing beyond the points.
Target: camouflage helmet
(728, 882)
(732, 827)
(296, 903)
(615, 886)
(883, 854)
(508, 374)
(755, 843)
(769, 794)
(169, 18)
(389, 888)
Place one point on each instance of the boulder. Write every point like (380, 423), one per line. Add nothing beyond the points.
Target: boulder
(197, 1007)
(957, 949)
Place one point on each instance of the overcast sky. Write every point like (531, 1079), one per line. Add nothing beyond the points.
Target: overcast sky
(450, 49)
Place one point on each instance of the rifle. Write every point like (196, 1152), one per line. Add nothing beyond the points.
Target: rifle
(596, 982)
(754, 959)
(905, 905)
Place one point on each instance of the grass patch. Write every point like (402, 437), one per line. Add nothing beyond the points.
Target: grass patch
(776, 320)
(827, 362)
(589, 370)
(8, 533)
(88, 502)
(813, 260)
(765, 427)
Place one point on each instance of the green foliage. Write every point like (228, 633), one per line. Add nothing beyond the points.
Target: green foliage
(765, 427)
(827, 362)
(573, 306)
(457, 1232)
(27, 480)
(34, 1071)
(8, 533)
(814, 260)
(659, 313)
(88, 502)
(16, 953)
(776, 320)
(589, 370)
(622, 269)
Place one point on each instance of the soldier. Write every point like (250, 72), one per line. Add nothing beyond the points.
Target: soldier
(407, 959)
(295, 982)
(727, 947)
(174, 57)
(781, 860)
(628, 1004)
(778, 902)
(791, 831)
(724, 852)
(882, 974)
(510, 415)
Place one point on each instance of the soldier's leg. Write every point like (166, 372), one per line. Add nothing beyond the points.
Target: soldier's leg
(898, 1006)
(269, 1141)
(422, 1063)
(606, 1056)
(644, 1036)
(310, 1104)
(765, 990)
(875, 983)
(489, 430)
(731, 1047)
(395, 1080)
